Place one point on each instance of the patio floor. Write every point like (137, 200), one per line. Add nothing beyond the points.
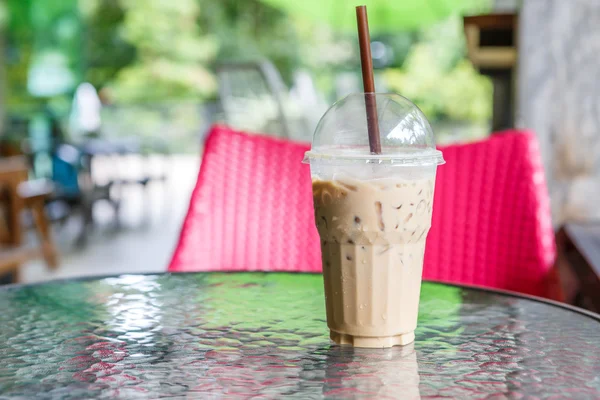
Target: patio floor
(150, 226)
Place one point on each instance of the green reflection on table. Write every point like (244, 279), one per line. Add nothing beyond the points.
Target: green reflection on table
(289, 302)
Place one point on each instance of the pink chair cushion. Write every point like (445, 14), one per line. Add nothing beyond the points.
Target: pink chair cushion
(252, 210)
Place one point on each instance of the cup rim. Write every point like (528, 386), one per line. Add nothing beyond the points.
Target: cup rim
(406, 157)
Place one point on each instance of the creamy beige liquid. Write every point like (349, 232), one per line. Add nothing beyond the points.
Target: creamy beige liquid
(372, 240)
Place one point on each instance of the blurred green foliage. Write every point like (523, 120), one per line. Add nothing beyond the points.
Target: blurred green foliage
(172, 52)
(105, 50)
(40, 33)
(250, 30)
(150, 52)
(438, 78)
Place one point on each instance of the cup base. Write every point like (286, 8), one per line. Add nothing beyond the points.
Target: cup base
(372, 342)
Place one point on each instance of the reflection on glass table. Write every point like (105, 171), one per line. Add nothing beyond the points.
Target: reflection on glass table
(257, 334)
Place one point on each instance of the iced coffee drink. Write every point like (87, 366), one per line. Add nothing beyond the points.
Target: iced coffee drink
(373, 213)
(373, 236)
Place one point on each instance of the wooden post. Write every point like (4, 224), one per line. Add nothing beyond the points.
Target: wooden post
(491, 47)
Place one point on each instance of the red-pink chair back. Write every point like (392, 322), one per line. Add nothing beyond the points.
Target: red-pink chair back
(252, 210)
(491, 222)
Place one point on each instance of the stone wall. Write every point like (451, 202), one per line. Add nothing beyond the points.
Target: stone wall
(558, 91)
(500, 6)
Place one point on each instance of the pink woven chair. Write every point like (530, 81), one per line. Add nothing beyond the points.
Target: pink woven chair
(252, 210)
(491, 222)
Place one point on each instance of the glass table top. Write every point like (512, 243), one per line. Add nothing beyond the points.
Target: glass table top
(254, 334)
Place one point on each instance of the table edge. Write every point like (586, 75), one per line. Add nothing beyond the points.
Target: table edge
(523, 296)
(508, 293)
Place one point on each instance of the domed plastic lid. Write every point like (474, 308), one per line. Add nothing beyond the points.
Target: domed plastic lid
(406, 136)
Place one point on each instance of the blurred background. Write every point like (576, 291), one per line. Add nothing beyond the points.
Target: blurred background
(108, 101)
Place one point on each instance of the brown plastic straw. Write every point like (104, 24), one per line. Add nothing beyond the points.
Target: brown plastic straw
(364, 41)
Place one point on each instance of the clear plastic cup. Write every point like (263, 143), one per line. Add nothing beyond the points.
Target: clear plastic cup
(373, 213)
